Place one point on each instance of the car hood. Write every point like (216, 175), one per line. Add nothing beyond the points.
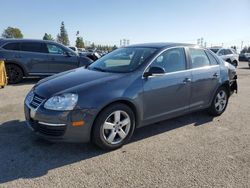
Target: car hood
(70, 81)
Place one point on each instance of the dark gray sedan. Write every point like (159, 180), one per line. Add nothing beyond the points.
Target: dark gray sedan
(129, 88)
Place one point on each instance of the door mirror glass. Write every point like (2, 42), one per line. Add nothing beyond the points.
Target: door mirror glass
(154, 71)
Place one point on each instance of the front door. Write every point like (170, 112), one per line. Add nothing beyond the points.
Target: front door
(59, 60)
(167, 95)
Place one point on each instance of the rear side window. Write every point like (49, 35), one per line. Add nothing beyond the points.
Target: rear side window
(212, 59)
(33, 47)
(198, 58)
(54, 49)
(12, 46)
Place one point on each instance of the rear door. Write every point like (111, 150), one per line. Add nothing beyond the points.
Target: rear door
(34, 54)
(205, 77)
(60, 59)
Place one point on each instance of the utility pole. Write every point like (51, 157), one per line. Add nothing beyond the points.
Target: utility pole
(241, 45)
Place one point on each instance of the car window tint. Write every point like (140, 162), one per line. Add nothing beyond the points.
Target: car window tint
(228, 52)
(221, 52)
(33, 47)
(212, 59)
(54, 49)
(12, 46)
(171, 60)
(198, 58)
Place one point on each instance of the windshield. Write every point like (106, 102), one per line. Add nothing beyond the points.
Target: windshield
(122, 60)
(215, 50)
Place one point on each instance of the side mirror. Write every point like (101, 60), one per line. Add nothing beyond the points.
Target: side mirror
(154, 71)
(67, 54)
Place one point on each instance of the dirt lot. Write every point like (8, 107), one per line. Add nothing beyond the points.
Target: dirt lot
(193, 150)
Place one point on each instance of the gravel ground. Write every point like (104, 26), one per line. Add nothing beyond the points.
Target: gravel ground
(190, 151)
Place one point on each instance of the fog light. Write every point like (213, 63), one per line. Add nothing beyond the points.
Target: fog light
(78, 123)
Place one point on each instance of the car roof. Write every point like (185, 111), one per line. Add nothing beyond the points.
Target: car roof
(4, 40)
(161, 45)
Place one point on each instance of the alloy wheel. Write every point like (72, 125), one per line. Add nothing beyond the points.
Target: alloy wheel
(220, 101)
(116, 127)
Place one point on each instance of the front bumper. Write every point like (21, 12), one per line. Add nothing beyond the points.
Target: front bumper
(57, 125)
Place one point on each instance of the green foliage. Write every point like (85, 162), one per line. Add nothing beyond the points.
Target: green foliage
(79, 42)
(12, 32)
(114, 47)
(62, 37)
(245, 50)
(47, 37)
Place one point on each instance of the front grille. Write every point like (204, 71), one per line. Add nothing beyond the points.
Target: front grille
(47, 130)
(36, 101)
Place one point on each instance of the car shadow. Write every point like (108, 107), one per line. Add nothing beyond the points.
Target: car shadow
(24, 155)
(244, 68)
(27, 81)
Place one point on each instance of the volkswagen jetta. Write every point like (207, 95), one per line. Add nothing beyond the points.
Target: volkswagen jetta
(129, 88)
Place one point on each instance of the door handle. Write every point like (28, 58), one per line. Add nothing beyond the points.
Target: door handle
(187, 80)
(216, 75)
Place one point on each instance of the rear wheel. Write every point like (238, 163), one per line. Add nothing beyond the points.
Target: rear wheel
(219, 102)
(14, 73)
(113, 127)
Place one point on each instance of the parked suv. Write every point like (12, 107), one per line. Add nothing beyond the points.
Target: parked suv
(227, 54)
(26, 58)
(129, 88)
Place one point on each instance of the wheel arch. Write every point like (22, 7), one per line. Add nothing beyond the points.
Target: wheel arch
(17, 64)
(130, 104)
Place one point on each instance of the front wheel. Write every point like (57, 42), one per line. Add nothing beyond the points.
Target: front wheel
(219, 102)
(113, 127)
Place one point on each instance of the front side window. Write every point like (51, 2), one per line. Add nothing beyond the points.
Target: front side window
(12, 46)
(222, 52)
(123, 60)
(171, 60)
(33, 47)
(229, 52)
(54, 49)
(198, 58)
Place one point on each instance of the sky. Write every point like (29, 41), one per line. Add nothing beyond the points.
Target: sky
(140, 21)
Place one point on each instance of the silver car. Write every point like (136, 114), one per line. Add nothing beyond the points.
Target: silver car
(227, 54)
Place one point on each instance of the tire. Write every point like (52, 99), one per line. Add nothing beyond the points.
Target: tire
(219, 103)
(235, 63)
(14, 73)
(109, 125)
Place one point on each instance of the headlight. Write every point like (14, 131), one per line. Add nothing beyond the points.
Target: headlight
(62, 102)
(29, 97)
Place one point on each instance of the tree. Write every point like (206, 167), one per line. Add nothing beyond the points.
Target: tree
(47, 37)
(79, 42)
(244, 50)
(114, 47)
(93, 45)
(62, 37)
(12, 32)
(234, 47)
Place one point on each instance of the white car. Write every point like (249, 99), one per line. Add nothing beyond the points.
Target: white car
(227, 54)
